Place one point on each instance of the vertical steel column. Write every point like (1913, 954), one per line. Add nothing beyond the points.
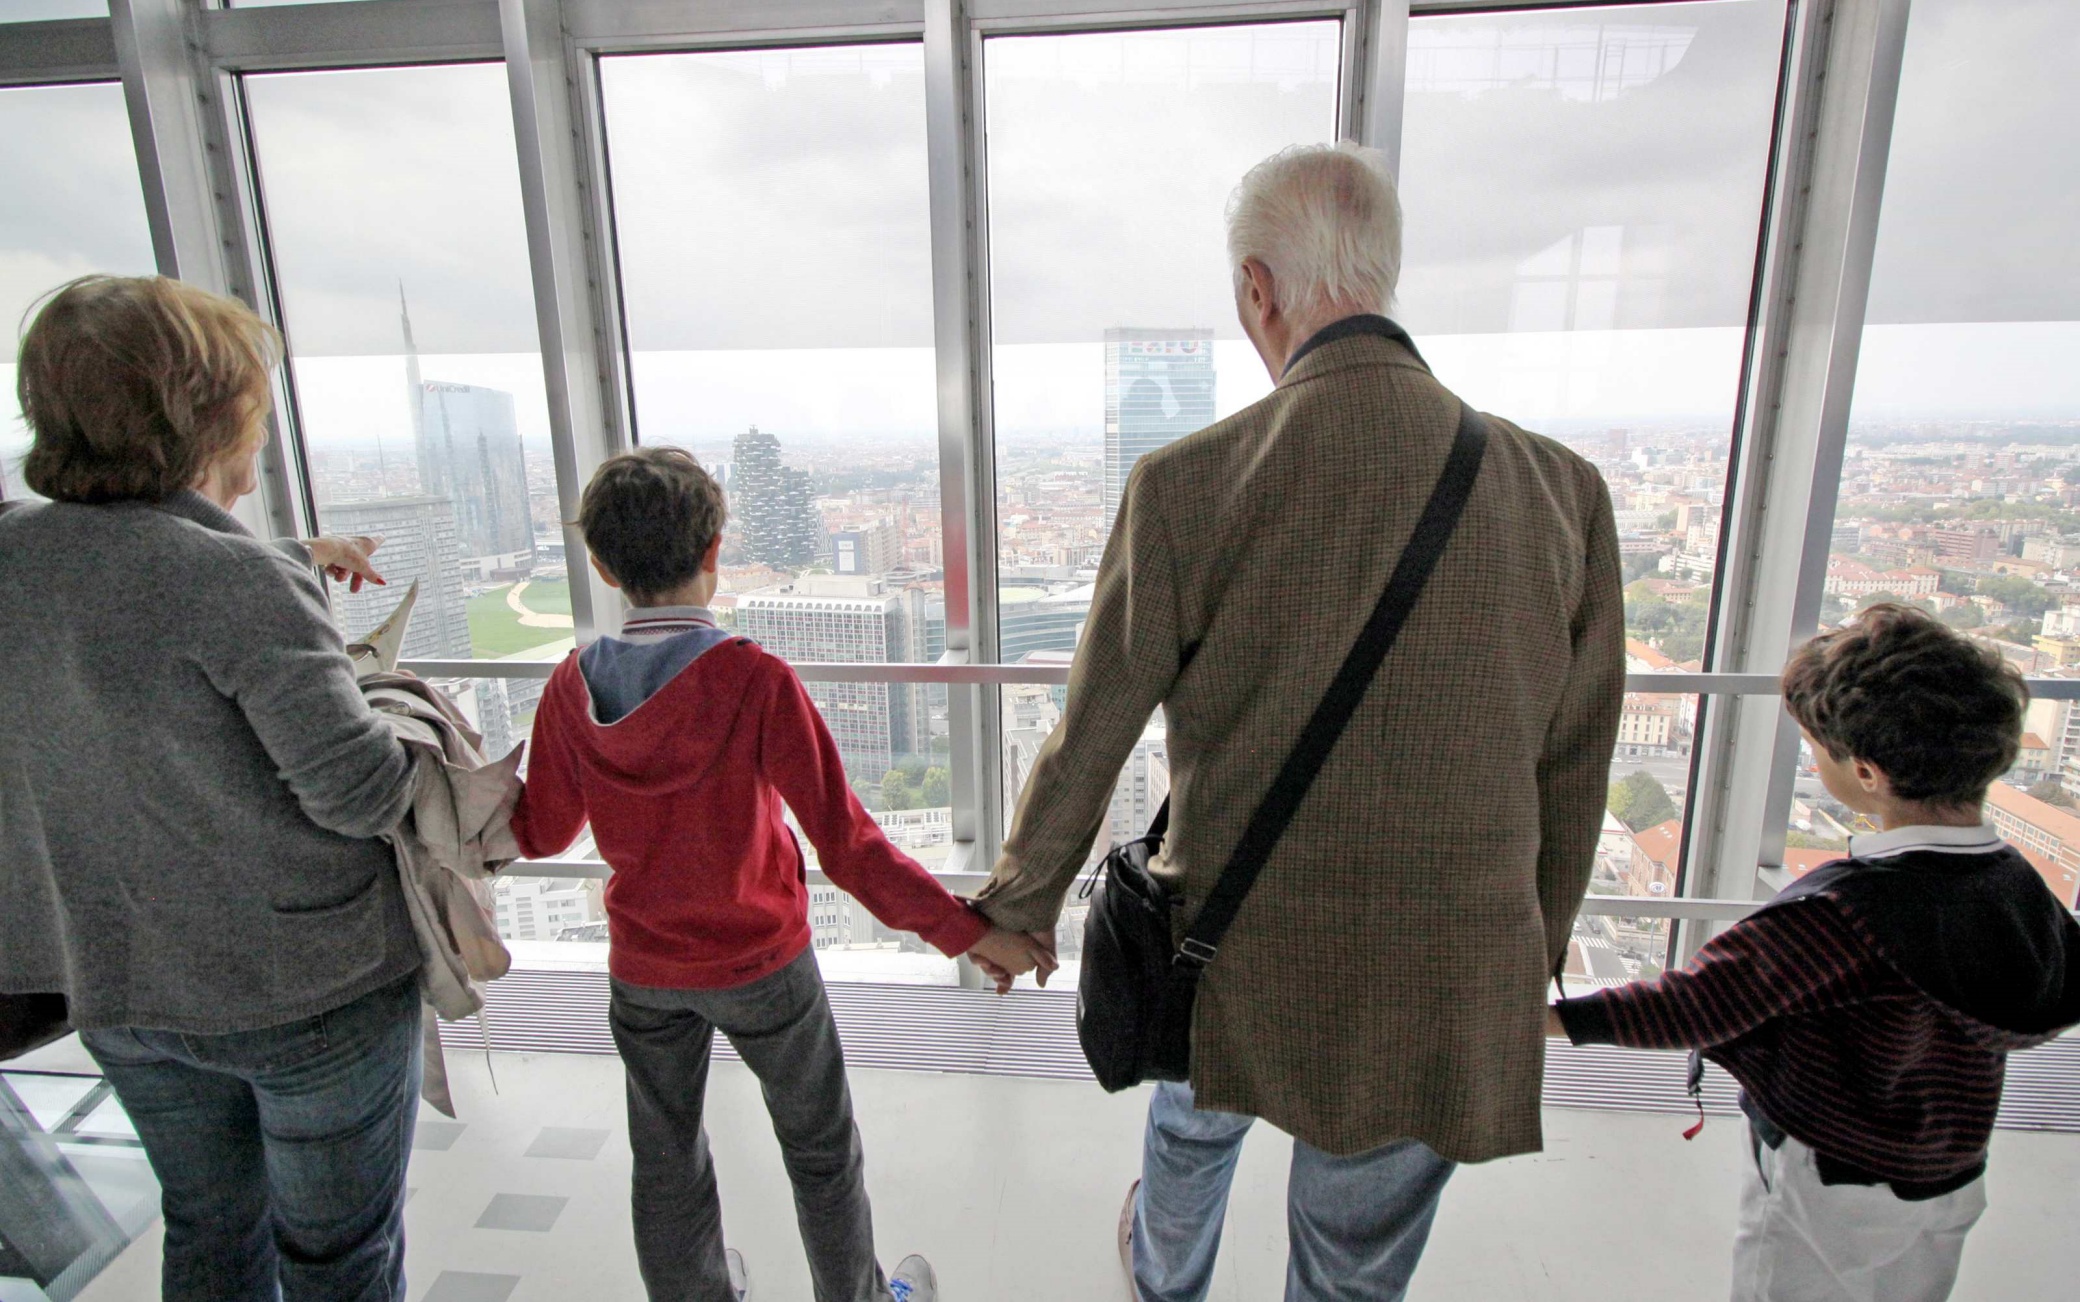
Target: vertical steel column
(1375, 76)
(967, 446)
(555, 126)
(184, 122)
(1844, 69)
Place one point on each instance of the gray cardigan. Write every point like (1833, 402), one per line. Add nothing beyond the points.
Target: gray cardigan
(191, 785)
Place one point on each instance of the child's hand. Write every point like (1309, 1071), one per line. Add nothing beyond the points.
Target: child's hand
(1004, 955)
(1554, 1027)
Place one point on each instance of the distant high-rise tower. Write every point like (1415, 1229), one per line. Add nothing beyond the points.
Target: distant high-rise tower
(1158, 388)
(775, 516)
(469, 452)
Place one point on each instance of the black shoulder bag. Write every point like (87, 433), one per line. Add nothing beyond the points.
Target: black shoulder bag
(1135, 994)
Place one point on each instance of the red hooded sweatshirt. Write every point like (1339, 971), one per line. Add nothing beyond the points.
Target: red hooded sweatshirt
(682, 764)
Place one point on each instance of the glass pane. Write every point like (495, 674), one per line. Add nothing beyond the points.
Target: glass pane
(1962, 476)
(31, 11)
(1111, 157)
(1640, 850)
(798, 366)
(1610, 950)
(1583, 193)
(392, 199)
(72, 205)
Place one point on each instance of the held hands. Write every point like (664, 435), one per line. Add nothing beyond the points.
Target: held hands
(346, 560)
(1003, 955)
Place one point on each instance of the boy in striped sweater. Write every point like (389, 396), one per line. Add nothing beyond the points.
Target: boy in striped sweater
(1868, 1010)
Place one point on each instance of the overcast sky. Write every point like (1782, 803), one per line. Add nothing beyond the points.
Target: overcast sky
(1593, 169)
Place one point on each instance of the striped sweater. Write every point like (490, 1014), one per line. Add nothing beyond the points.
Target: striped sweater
(1868, 1010)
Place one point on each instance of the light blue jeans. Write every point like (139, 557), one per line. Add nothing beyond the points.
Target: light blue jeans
(280, 1152)
(1357, 1225)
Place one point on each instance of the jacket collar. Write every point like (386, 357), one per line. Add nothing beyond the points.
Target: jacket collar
(1939, 840)
(191, 505)
(1365, 323)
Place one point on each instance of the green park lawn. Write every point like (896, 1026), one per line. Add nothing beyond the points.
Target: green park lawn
(495, 631)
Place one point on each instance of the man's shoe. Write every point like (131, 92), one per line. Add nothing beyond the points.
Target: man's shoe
(739, 1278)
(1126, 1241)
(914, 1281)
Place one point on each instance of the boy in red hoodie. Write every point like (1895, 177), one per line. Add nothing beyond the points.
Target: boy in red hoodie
(680, 743)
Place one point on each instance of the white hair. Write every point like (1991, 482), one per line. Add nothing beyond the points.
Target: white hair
(1325, 219)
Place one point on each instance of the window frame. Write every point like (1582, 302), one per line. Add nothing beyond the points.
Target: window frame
(179, 62)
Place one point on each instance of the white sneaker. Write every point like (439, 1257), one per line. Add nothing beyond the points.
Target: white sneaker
(914, 1281)
(739, 1277)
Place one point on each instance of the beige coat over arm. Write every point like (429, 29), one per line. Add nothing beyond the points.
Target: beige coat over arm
(1386, 978)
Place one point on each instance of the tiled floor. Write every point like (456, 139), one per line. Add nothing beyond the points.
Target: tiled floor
(1012, 1187)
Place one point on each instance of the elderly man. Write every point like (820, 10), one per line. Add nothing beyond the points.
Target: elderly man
(1381, 994)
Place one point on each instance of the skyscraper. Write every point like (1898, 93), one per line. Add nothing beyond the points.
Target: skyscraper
(1158, 388)
(418, 543)
(774, 515)
(470, 453)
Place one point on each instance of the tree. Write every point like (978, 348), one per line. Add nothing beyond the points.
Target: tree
(1962, 585)
(938, 788)
(896, 791)
(1807, 841)
(1640, 802)
(869, 795)
(2051, 793)
(1965, 616)
(1641, 565)
(2017, 594)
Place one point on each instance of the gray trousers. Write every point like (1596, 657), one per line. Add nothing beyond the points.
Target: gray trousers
(781, 1026)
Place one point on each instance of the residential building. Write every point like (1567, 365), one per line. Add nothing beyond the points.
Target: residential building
(419, 544)
(1650, 724)
(2047, 835)
(545, 908)
(771, 507)
(846, 617)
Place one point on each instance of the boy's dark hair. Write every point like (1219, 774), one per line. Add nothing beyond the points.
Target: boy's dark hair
(1938, 713)
(649, 517)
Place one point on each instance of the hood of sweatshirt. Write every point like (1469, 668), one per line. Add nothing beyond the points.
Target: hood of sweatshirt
(1978, 933)
(659, 716)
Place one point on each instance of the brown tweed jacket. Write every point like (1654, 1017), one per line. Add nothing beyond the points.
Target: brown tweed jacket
(1386, 977)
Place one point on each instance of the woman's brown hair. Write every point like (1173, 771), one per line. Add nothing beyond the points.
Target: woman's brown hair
(132, 386)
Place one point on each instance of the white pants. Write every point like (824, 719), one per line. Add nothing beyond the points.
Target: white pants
(1802, 1241)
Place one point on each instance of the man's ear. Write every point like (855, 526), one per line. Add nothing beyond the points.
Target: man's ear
(606, 575)
(1872, 778)
(1260, 293)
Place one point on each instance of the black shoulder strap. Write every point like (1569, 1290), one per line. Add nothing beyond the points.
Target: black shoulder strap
(1440, 517)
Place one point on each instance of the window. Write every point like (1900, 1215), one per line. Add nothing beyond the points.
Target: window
(71, 206)
(1962, 471)
(392, 205)
(1583, 196)
(31, 11)
(772, 223)
(1111, 158)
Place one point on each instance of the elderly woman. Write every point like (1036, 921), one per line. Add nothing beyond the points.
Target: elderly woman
(191, 792)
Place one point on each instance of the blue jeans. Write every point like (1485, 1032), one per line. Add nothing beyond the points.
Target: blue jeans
(1357, 1225)
(280, 1152)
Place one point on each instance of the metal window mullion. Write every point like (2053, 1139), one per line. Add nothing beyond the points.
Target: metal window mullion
(1375, 89)
(183, 124)
(555, 125)
(1845, 78)
(960, 332)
